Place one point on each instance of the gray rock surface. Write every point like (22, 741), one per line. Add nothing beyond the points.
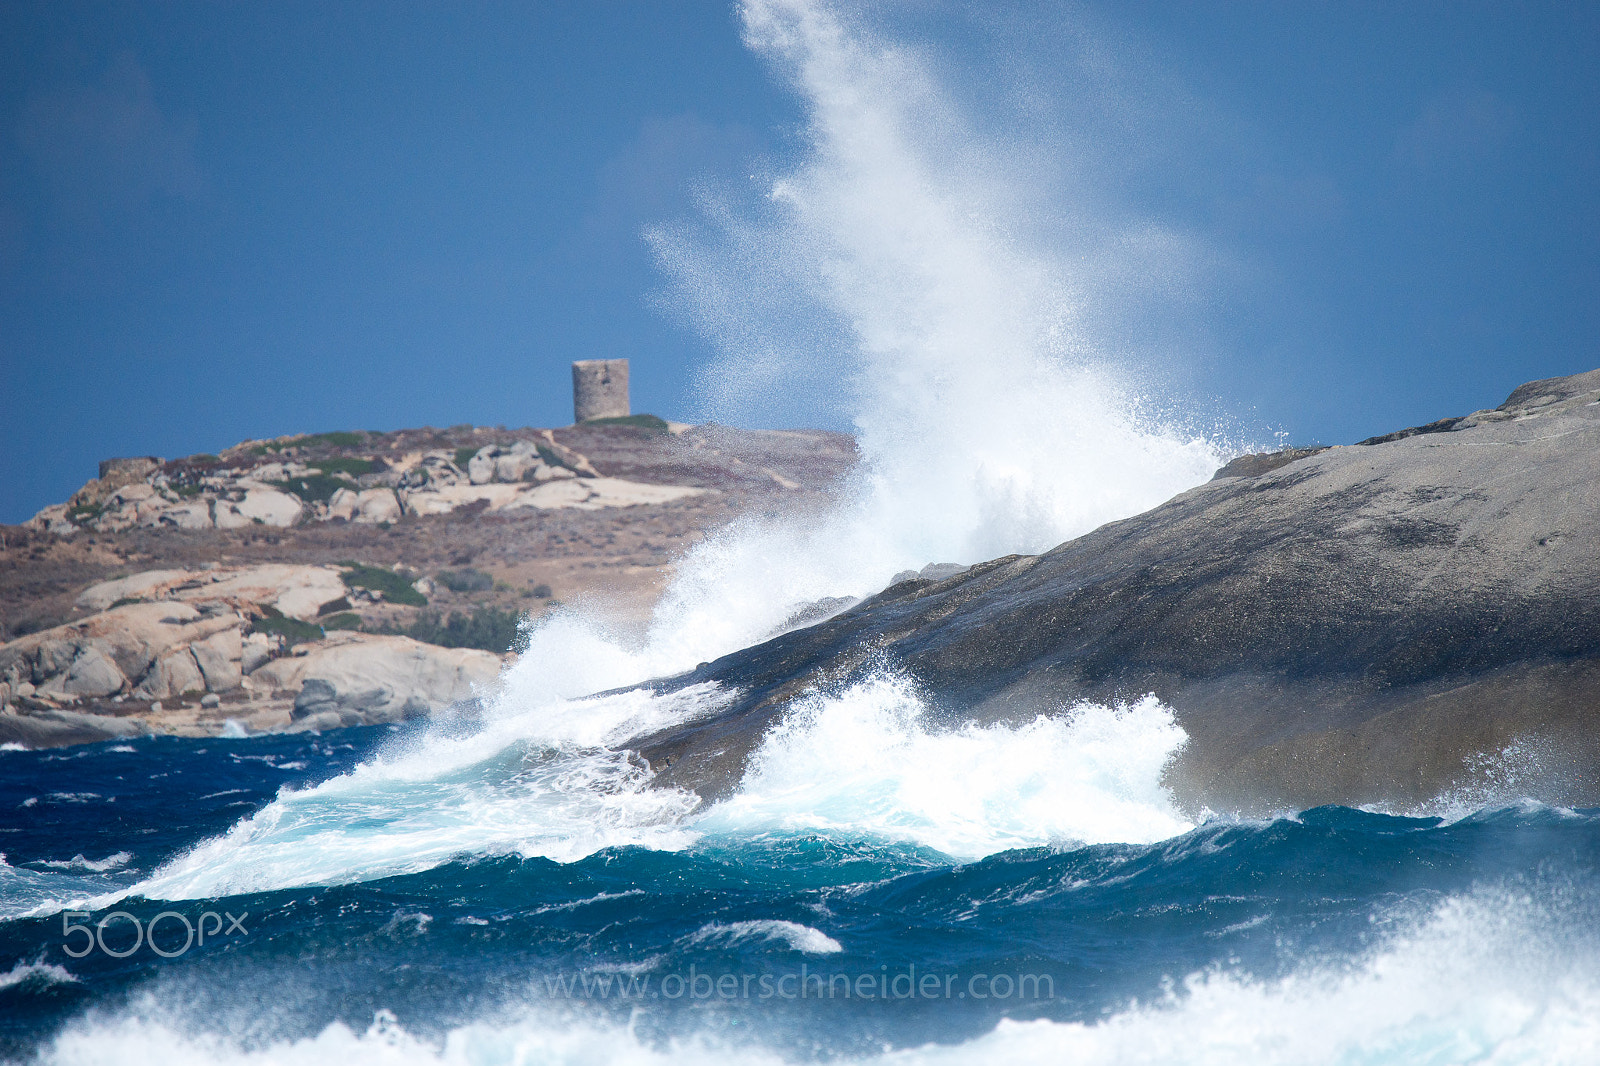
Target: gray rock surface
(174, 674)
(142, 645)
(219, 659)
(92, 673)
(58, 728)
(1377, 623)
(365, 679)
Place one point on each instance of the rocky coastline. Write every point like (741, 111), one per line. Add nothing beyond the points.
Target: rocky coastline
(1410, 617)
(375, 578)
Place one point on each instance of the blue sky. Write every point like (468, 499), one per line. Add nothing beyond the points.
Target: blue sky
(222, 221)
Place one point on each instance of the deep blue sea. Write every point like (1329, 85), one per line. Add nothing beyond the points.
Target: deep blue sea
(133, 932)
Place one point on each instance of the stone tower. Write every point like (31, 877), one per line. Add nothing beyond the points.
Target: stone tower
(600, 389)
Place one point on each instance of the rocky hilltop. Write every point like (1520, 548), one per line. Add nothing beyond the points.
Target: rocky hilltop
(375, 479)
(1380, 622)
(351, 578)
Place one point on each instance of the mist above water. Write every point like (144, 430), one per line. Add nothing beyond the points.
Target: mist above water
(884, 266)
(987, 425)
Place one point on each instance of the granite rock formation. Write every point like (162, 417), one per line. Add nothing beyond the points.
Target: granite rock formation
(1376, 623)
(358, 478)
(182, 651)
(110, 630)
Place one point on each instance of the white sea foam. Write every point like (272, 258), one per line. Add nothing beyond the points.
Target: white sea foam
(80, 864)
(38, 973)
(544, 783)
(1489, 978)
(796, 936)
(862, 765)
(1524, 768)
(986, 421)
(867, 765)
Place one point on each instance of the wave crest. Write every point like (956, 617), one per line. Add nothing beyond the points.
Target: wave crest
(868, 764)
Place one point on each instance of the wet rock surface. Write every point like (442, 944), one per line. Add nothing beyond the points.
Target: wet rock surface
(1383, 622)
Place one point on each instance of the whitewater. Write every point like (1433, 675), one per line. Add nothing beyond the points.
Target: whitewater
(416, 896)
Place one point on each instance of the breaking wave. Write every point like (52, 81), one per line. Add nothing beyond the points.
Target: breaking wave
(1495, 977)
(867, 765)
(862, 766)
(795, 936)
(988, 421)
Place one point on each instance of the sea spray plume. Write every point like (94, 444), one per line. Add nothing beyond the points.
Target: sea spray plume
(985, 423)
(985, 428)
(867, 764)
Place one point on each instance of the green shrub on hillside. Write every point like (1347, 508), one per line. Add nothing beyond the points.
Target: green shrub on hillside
(650, 422)
(396, 588)
(336, 439)
(489, 629)
(344, 465)
(292, 630)
(333, 607)
(549, 456)
(465, 580)
(313, 488)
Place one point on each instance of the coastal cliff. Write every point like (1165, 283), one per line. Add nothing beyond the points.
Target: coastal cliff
(1381, 622)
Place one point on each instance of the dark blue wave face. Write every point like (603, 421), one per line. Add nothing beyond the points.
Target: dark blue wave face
(811, 947)
(155, 796)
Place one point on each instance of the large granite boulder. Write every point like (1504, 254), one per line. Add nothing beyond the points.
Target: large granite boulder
(1382, 622)
(137, 648)
(365, 679)
(137, 651)
(186, 637)
(298, 591)
(252, 503)
(162, 635)
(368, 506)
(193, 514)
